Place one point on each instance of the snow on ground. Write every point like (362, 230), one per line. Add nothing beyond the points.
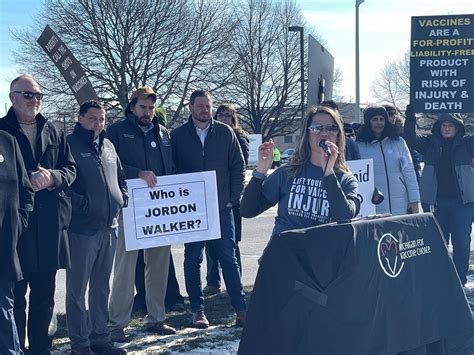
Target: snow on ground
(216, 340)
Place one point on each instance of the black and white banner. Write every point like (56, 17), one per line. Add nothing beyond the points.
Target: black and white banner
(442, 63)
(68, 65)
(179, 209)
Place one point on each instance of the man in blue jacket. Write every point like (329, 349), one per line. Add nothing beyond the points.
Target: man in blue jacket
(203, 144)
(97, 195)
(447, 180)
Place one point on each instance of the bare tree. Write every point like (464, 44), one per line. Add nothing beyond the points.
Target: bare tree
(338, 78)
(171, 45)
(393, 83)
(393, 86)
(241, 51)
(265, 83)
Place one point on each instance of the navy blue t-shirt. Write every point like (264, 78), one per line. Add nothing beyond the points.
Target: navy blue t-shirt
(302, 199)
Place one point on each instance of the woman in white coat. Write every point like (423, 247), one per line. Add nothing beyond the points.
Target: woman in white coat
(395, 176)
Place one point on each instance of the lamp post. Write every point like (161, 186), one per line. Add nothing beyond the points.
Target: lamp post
(357, 118)
(301, 31)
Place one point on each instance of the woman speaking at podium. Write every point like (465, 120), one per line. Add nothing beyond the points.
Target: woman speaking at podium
(315, 187)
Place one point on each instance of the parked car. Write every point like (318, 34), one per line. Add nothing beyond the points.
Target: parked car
(287, 154)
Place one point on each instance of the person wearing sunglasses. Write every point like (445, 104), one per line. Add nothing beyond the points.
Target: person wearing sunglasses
(395, 177)
(315, 187)
(43, 246)
(351, 151)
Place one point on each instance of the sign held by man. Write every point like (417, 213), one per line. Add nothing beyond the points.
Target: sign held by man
(179, 209)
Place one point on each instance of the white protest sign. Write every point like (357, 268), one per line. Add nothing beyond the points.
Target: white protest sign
(179, 209)
(255, 141)
(363, 170)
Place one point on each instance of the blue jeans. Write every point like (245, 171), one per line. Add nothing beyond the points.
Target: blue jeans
(224, 249)
(9, 341)
(455, 221)
(213, 277)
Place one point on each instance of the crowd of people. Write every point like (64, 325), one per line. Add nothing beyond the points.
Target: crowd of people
(62, 198)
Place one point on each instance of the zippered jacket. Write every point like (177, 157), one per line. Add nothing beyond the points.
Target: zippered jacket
(141, 151)
(462, 156)
(99, 191)
(394, 173)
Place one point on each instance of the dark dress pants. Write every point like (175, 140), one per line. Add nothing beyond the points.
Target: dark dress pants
(40, 310)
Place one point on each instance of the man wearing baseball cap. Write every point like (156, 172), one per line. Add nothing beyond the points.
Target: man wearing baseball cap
(144, 148)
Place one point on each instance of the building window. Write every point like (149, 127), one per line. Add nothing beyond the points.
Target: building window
(288, 139)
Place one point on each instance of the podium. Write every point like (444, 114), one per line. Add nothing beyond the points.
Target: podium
(370, 287)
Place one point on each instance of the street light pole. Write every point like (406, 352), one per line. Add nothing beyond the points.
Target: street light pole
(301, 31)
(357, 117)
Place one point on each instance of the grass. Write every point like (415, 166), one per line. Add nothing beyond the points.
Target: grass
(220, 313)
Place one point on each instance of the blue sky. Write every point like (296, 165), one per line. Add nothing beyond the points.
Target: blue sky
(13, 14)
(384, 33)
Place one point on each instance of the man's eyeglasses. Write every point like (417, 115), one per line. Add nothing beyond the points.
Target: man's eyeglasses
(29, 95)
(317, 128)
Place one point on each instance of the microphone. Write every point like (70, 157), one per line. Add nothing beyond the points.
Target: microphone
(322, 144)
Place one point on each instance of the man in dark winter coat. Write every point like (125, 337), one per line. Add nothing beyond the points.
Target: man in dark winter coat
(144, 149)
(203, 144)
(97, 194)
(16, 199)
(447, 180)
(43, 248)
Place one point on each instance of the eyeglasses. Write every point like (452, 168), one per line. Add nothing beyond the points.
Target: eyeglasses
(317, 128)
(224, 114)
(29, 95)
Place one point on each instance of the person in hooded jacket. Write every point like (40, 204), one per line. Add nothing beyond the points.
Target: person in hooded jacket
(394, 174)
(447, 180)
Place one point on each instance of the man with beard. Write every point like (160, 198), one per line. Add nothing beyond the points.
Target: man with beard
(203, 144)
(144, 149)
(43, 247)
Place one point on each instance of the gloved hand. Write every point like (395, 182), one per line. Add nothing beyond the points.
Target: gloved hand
(410, 113)
(125, 200)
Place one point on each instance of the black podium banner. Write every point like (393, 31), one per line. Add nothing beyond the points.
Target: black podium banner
(442, 63)
(373, 287)
(68, 65)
